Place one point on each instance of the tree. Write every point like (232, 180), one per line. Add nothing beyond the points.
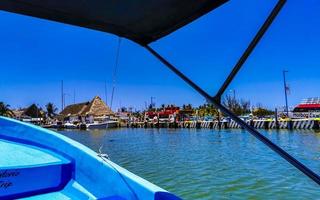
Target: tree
(238, 107)
(211, 110)
(207, 110)
(245, 106)
(123, 109)
(189, 107)
(151, 108)
(5, 110)
(230, 103)
(33, 111)
(51, 110)
(260, 111)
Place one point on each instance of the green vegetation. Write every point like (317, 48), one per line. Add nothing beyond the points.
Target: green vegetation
(207, 110)
(262, 112)
(51, 110)
(5, 110)
(34, 112)
(239, 107)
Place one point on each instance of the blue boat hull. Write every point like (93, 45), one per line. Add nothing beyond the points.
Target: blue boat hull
(52, 166)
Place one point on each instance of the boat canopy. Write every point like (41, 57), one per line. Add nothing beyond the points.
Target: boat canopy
(142, 21)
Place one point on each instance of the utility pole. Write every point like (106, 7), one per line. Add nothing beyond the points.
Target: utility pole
(37, 109)
(74, 96)
(285, 91)
(62, 96)
(151, 103)
(276, 118)
(64, 100)
(146, 105)
(106, 92)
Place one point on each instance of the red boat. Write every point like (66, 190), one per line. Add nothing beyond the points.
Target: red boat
(308, 105)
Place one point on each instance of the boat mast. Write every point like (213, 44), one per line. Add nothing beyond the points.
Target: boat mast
(106, 92)
(62, 96)
(114, 75)
(74, 96)
(285, 91)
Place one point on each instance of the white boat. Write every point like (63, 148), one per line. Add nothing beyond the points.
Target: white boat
(69, 125)
(103, 125)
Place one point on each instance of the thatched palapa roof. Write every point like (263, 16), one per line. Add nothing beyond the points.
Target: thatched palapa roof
(96, 108)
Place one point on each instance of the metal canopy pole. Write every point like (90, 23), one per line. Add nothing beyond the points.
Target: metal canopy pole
(251, 47)
(216, 100)
(249, 128)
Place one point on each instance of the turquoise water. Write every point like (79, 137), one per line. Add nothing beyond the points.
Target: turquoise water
(211, 164)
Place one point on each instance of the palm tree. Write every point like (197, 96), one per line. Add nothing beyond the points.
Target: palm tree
(5, 110)
(51, 109)
(34, 111)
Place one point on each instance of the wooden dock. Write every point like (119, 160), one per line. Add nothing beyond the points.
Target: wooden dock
(258, 124)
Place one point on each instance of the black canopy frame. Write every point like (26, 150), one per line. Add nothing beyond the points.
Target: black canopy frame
(145, 23)
(142, 21)
(216, 100)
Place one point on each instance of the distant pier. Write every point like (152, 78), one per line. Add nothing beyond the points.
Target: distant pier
(258, 124)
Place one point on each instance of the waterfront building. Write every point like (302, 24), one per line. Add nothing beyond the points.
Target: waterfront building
(166, 114)
(86, 112)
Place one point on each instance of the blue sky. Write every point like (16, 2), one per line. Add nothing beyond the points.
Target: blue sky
(35, 55)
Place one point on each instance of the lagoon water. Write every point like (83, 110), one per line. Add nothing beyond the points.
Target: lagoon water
(212, 164)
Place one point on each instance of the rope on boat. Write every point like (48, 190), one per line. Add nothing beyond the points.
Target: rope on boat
(104, 156)
(114, 75)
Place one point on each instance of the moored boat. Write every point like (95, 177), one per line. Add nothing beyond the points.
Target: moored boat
(69, 125)
(103, 125)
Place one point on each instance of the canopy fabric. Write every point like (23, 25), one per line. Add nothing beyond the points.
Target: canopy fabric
(142, 21)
